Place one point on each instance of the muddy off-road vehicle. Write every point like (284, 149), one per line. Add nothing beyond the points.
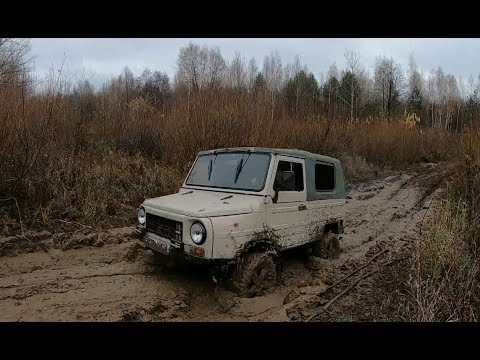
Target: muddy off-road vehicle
(240, 207)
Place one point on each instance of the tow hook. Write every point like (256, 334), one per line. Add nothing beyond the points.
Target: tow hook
(140, 231)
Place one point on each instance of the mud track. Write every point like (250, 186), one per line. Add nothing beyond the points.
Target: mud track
(110, 276)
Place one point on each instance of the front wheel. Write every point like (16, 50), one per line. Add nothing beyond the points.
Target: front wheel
(256, 273)
(328, 247)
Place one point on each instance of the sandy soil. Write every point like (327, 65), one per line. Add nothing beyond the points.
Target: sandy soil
(110, 276)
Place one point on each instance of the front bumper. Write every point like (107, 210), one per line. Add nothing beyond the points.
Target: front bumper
(176, 250)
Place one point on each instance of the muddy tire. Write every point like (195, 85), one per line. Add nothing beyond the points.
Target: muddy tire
(256, 274)
(328, 247)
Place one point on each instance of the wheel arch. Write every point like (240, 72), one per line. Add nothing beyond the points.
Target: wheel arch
(263, 240)
(335, 227)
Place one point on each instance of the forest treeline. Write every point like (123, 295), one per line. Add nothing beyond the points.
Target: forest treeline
(354, 93)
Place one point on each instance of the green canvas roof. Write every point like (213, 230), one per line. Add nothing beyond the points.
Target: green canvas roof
(288, 152)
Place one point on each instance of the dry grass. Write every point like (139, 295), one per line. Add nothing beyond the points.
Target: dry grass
(443, 283)
(61, 165)
(102, 189)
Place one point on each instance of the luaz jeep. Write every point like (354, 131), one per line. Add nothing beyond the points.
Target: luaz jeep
(238, 208)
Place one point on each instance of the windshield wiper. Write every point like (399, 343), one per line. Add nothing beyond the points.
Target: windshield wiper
(210, 166)
(240, 166)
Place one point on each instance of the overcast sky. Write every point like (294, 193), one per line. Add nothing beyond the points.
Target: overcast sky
(100, 59)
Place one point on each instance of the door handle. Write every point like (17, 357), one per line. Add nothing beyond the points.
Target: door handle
(302, 207)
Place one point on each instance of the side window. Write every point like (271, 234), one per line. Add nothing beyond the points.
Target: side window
(324, 177)
(289, 176)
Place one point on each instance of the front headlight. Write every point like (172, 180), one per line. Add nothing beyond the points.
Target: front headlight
(198, 233)
(141, 216)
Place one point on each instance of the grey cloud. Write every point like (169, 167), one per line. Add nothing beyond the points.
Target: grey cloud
(106, 57)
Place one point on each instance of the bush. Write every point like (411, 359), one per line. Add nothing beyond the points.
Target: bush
(445, 273)
(58, 164)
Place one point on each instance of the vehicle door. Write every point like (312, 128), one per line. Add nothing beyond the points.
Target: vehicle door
(285, 214)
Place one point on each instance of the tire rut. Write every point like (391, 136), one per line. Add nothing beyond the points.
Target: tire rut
(119, 280)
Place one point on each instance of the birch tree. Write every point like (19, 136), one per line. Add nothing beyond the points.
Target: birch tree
(272, 71)
(350, 84)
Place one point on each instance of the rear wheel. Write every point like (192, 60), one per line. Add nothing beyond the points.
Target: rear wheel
(256, 273)
(328, 247)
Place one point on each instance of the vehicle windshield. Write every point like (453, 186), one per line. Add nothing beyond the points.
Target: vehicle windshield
(239, 171)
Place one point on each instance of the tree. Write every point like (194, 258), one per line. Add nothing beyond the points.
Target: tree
(252, 73)
(350, 85)
(416, 99)
(155, 87)
(367, 106)
(452, 104)
(272, 71)
(472, 107)
(293, 69)
(200, 67)
(301, 90)
(13, 58)
(237, 72)
(84, 96)
(415, 102)
(216, 68)
(349, 92)
(415, 78)
(388, 83)
(129, 81)
(260, 84)
(330, 90)
(191, 66)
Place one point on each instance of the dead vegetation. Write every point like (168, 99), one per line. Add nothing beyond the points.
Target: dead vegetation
(70, 153)
(72, 159)
(60, 168)
(445, 269)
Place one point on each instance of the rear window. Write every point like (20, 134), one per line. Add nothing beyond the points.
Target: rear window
(324, 177)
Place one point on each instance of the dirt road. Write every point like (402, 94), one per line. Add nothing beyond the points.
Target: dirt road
(110, 276)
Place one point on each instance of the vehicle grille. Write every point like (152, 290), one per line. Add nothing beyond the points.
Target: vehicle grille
(167, 228)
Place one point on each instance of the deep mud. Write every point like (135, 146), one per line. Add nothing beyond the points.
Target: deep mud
(111, 276)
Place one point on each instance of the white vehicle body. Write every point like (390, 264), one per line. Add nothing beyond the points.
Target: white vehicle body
(234, 219)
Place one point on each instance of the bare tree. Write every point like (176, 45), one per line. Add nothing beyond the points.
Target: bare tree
(272, 70)
(367, 95)
(200, 67)
(237, 71)
(353, 65)
(84, 97)
(252, 73)
(415, 78)
(293, 69)
(388, 82)
(189, 67)
(216, 67)
(129, 80)
(13, 57)
(154, 86)
(452, 103)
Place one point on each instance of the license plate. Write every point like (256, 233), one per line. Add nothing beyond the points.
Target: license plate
(157, 243)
